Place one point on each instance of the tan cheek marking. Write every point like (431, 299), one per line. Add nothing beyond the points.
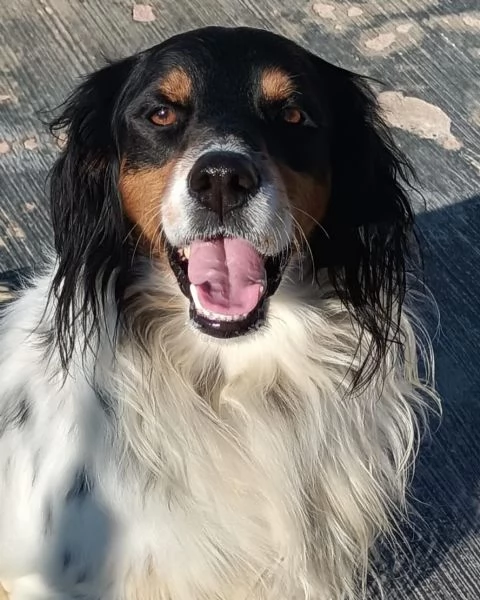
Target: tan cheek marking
(308, 197)
(276, 85)
(142, 191)
(176, 86)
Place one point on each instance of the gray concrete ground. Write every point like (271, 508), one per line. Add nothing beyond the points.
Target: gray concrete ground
(428, 53)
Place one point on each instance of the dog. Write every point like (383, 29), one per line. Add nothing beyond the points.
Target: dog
(211, 389)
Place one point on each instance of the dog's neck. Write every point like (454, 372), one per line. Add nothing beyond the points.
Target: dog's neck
(264, 426)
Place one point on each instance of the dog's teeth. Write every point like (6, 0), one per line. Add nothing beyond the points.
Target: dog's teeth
(224, 318)
(210, 315)
(196, 301)
(186, 252)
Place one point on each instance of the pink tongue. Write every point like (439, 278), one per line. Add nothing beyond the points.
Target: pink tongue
(228, 275)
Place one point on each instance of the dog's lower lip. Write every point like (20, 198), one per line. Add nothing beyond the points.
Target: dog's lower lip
(229, 329)
(223, 325)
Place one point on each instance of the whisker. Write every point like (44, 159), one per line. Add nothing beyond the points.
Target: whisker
(314, 220)
(307, 243)
(153, 211)
(296, 244)
(127, 235)
(157, 237)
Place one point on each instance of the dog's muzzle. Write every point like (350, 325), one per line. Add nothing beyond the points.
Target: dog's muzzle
(222, 271)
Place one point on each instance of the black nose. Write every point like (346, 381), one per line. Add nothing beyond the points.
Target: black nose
(223, 181)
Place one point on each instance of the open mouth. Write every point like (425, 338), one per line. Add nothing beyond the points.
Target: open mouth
(227, 282)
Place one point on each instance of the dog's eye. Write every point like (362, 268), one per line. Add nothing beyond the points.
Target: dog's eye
(164, 116)
(293, 115)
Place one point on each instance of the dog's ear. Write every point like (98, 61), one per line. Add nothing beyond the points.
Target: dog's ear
(89, 229)
(369, 219)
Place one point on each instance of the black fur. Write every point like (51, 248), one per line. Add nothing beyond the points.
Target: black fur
(18, 412)
(66, 559)
(89, 228)
(369, 220)
(82, 486)
(48, 519)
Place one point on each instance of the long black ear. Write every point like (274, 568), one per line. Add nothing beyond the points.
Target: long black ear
(89, 228)
(370, 219)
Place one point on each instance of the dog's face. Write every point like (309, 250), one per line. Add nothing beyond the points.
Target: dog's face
(225, 158)
(224, 154)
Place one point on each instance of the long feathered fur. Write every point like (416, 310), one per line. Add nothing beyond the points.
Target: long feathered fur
(252, 462)
(155, 463)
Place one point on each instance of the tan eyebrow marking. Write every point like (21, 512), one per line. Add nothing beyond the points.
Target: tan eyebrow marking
(276, 85)
(176, 86)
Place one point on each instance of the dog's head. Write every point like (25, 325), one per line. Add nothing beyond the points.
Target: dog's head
(224, 152)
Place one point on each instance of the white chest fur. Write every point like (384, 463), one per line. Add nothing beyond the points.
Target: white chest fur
(203, 470)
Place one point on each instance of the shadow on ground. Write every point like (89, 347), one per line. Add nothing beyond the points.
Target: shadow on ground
(447, 482)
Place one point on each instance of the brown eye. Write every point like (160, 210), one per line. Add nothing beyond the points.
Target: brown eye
(164, 116)
(293, 115)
